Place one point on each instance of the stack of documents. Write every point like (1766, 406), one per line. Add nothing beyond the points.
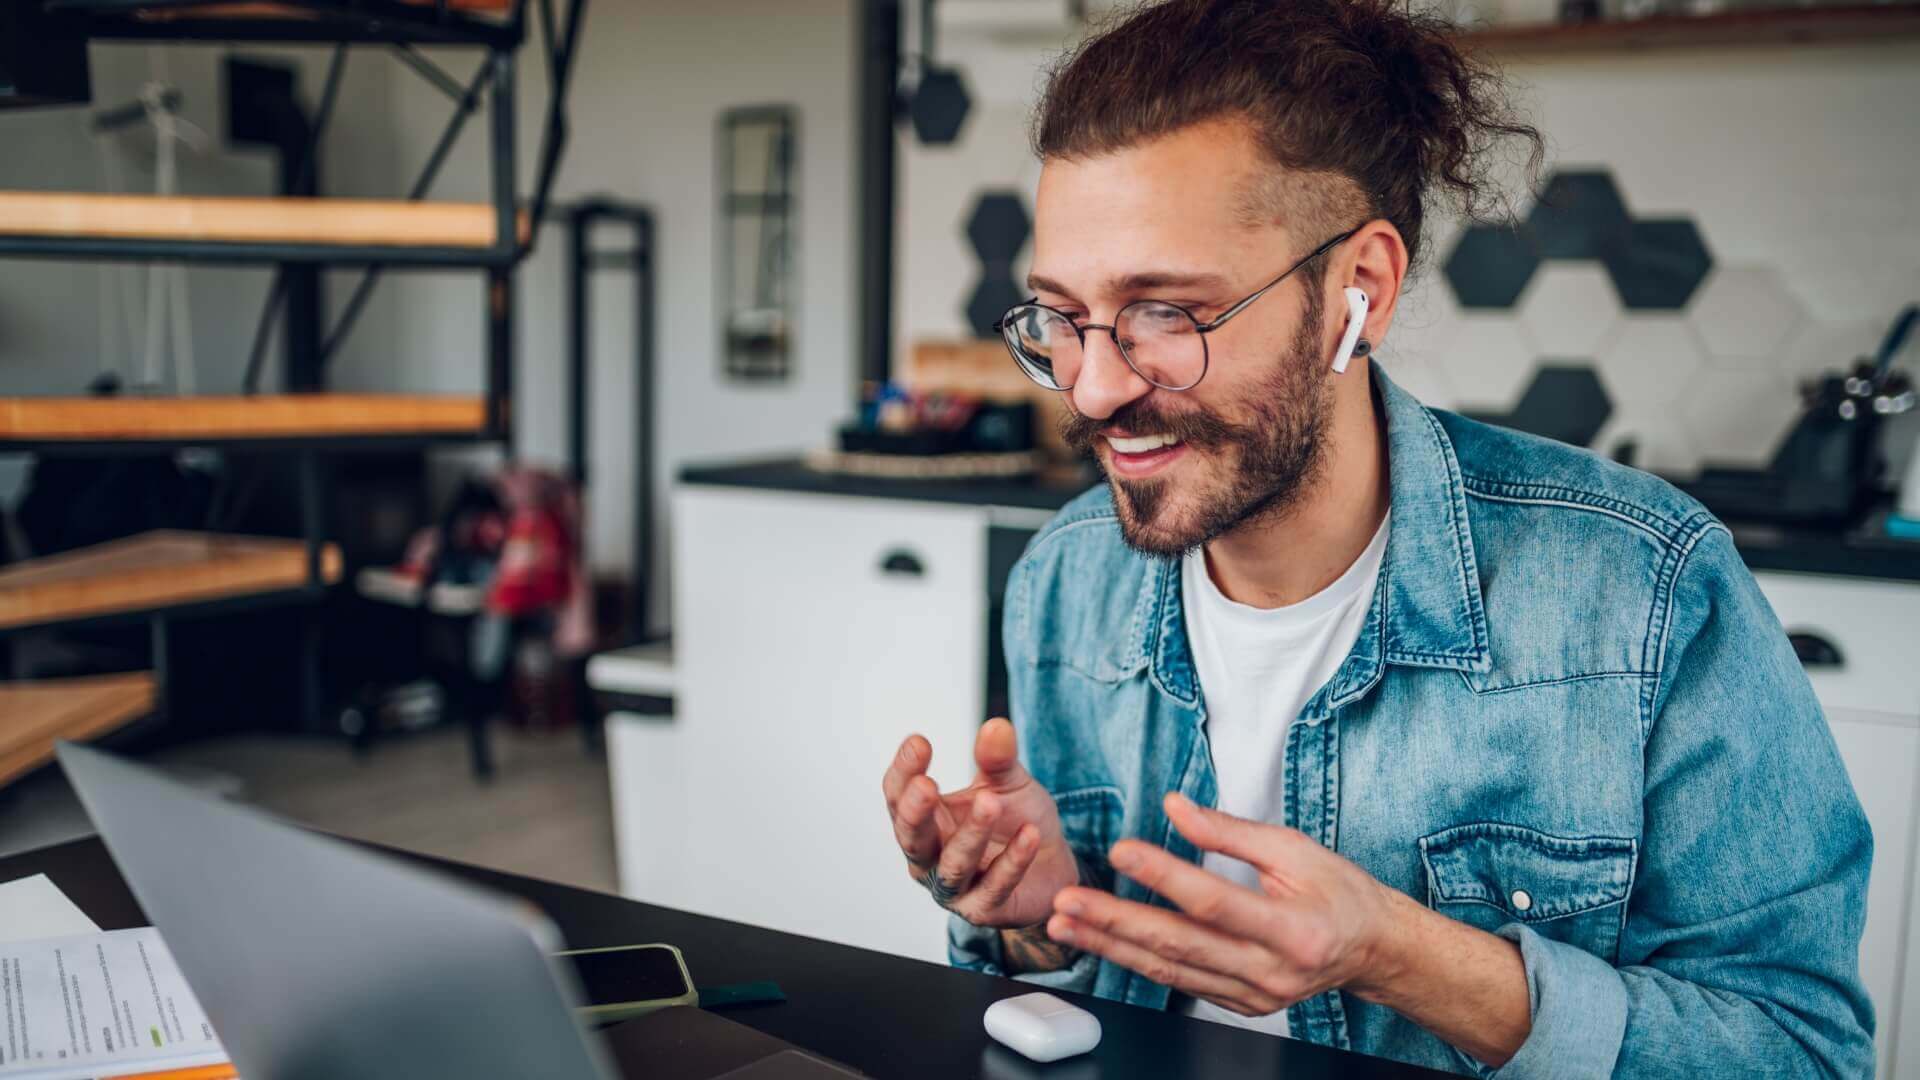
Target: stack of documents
(88, 1003)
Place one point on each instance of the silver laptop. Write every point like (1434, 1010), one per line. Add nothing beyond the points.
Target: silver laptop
(315, 958)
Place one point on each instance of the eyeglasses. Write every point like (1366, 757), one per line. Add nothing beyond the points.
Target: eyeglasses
(1164, 343)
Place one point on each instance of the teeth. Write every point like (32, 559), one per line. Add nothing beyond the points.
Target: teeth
(1141, 444)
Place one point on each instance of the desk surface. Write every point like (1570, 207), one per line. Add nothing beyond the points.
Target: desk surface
(883, 1015)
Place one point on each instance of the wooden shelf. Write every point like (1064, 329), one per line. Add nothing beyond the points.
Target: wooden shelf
(34, 714)
(223, 419)
(258, 220)
(150, 571)
(253, 229)
(301, 20)
(1780, 26)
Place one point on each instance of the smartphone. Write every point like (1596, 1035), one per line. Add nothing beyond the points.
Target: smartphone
(631, 980)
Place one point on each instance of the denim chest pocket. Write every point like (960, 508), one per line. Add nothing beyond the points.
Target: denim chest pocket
(1489, 874)
(1090, 817)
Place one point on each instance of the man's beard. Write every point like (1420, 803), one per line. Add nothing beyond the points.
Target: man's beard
(1280, 447)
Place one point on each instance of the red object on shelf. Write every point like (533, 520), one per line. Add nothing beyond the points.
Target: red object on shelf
(536, 563)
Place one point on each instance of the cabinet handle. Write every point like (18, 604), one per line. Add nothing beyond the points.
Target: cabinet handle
(902, 563)
(1815, 651)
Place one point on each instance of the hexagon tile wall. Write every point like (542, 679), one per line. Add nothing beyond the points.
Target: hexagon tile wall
(997, 229)
(1692, 361)
(1655, 264)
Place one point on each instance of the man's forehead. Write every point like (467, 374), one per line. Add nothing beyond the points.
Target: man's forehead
(1165, 212)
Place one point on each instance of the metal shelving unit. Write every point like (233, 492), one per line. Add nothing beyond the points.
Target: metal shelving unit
(493, 238)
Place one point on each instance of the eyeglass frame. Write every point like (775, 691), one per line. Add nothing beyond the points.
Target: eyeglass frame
(1001, 324)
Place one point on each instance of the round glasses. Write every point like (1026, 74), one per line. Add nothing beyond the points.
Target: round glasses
(1163, 343)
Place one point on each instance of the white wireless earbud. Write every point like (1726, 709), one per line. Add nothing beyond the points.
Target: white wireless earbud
(1356, 321)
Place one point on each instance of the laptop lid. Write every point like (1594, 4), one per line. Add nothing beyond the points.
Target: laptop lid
(315, 958)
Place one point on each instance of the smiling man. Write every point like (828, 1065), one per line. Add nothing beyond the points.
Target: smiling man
(1343, 718)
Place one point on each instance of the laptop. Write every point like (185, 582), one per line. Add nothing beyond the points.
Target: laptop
(316, 958)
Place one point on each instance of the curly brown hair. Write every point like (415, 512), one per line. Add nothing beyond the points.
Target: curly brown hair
(1370, 109)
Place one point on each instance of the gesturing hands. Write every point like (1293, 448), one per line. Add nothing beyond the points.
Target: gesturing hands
(991, 852)
(1318, 921)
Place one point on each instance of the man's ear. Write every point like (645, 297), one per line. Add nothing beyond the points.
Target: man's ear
(1376, 264)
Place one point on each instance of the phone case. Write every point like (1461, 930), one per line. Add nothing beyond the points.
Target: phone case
(627, 1010)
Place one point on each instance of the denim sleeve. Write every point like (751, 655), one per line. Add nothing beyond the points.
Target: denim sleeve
(1740, 950)
(976, 948)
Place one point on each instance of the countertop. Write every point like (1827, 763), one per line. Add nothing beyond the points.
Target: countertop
(1764, 547)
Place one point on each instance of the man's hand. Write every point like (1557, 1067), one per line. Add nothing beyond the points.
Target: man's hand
(1317, 923)
(992, 852)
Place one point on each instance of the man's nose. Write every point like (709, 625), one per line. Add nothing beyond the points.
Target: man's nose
(1106, 381)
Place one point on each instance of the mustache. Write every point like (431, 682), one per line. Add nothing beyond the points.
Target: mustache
(1193, 426)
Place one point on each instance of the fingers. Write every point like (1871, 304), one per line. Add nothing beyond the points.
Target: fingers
(962, 854)
(915, 823)
(1266, 847)
(909, 761)
(1223, 990)
(996, 752)
(1005, 872)
(1207, 898)
(1168, 935)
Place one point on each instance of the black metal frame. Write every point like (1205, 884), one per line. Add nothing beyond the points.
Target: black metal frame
(879, 79)
(582, 259)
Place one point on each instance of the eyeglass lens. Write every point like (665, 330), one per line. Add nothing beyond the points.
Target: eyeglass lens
(1160, 341)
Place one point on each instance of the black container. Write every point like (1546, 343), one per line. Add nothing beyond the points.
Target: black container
(43, 58)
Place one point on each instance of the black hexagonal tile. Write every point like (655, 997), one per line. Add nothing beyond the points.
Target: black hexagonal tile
(1565, 401)
(1658, 264)
(940, 106)
(1490, 266)
(999, 226)
(991, 298)
(1580, 215)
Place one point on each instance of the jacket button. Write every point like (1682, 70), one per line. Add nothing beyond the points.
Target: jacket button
(1521, 901)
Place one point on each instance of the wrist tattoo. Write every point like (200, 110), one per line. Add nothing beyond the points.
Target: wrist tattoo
(1029, 949)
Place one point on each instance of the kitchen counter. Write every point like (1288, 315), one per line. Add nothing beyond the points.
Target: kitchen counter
(1764, 547)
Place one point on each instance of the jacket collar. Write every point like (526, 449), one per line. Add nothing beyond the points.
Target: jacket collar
(1426, 610)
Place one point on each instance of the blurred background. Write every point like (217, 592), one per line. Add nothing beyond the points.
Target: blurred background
(572, 438)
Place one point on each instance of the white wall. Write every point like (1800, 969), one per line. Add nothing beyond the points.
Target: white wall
(1797, 164)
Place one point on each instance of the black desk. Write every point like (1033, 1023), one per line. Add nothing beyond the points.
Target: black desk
(880, 1014)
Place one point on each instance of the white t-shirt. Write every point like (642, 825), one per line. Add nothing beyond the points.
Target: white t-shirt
(1258, 667)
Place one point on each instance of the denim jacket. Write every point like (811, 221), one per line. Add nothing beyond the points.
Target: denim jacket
(1570, 719)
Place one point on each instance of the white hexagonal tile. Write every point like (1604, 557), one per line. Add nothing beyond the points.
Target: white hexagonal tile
(1737, 417)
(1662, 449)
(1487, 362)
(1419, 376)
(1743, 314)
(1569, 310)
(1817, 346)
(1425, 321)
(1647, 367)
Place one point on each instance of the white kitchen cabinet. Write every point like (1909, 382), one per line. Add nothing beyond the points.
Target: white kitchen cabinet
(1882, 754)
(812, 633)
(1871, 695)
